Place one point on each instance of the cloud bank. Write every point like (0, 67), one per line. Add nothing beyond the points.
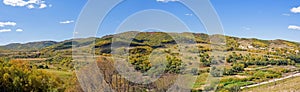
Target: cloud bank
(295, 10)
(30, 4)
(66, 22)
(5, 30)
(3, 24)
(19, 30)
(294, 27)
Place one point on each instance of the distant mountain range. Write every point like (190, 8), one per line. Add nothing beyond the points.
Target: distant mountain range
(28, 46)
(153, 39)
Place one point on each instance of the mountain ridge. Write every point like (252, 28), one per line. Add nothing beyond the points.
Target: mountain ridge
(199, 37)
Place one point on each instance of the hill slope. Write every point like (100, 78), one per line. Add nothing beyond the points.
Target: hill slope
(28, 46)
(155, 39)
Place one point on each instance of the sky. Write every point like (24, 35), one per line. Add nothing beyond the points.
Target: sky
(24, 21)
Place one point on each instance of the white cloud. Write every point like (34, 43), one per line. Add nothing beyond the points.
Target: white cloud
(28, 3)
(19, 30)
(188, 14)
(17, 2)
(244, 28)
(286, 14)
(66, 22)
(3, 24)
(43, 6)
(295, 10)
(5, 30)
(30, 6)
(165, 1)
(294, 27)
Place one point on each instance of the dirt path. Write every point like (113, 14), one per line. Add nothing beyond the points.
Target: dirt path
(270, 81)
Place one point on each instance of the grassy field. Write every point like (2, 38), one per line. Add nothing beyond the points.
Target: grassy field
(62, 74)
(201, 80)
(288, 85)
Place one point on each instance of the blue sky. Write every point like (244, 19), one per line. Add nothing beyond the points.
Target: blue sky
(39, 20)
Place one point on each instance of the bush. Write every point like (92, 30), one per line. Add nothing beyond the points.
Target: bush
(18, 76)
(174, 64)
(194, 71)
(238, 67)
(216, 72)
(232, 84)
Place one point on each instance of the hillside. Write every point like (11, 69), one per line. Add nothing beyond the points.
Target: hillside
(246, 61)
(28, 46)
(155, 39)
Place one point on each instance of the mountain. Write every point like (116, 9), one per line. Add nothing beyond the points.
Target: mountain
(248, 60)
(28, 46)
(151, 39)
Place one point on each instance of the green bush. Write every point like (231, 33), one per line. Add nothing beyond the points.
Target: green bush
(18, 76)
